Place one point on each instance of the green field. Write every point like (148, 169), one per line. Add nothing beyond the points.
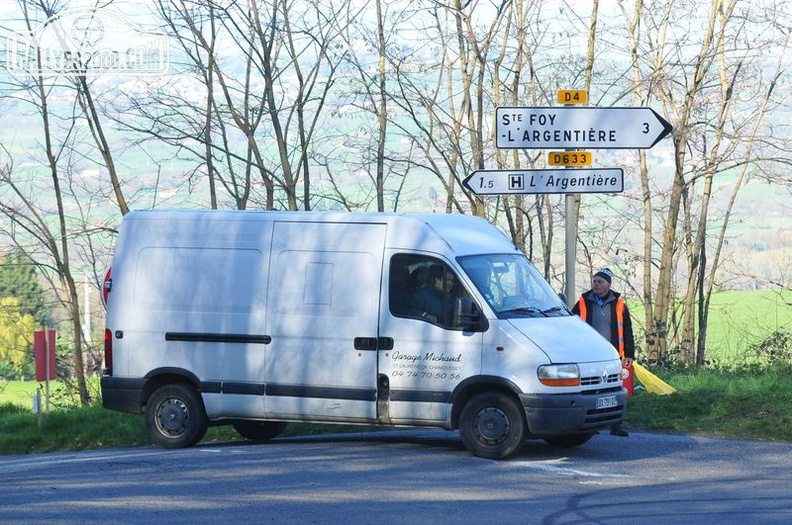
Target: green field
(741, 319)
(737, 321)
(21, 393)
(18, 392)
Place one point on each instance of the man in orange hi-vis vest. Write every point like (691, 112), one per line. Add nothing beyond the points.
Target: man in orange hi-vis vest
(606, 312)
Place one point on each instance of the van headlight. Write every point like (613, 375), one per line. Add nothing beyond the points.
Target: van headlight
(559, 375)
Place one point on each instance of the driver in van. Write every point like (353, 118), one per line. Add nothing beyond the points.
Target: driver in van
(435, 302)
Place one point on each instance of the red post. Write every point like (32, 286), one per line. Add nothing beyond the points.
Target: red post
(44, 352)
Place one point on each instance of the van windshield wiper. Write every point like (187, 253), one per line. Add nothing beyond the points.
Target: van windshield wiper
(524, 310)
(553, 309)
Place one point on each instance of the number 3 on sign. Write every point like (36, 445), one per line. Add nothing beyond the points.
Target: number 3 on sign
(569, 158)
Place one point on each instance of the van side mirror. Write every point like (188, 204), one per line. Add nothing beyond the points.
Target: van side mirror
(563, 297)
(468, 315)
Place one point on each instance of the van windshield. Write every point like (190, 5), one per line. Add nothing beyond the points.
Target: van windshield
(512, 286)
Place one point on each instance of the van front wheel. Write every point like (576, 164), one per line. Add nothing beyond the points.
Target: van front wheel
(492, 425)
(175, 416)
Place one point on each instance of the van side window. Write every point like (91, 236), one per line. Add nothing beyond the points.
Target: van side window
(424, 288)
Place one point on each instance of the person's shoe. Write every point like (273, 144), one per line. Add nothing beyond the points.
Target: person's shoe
(619, 431)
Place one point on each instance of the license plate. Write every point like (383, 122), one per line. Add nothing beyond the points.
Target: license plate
(607, 402)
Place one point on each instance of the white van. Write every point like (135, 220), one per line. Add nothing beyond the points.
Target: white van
(256, 319)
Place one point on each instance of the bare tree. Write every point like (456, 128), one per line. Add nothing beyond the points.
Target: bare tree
(83, 86)
(262, 116)
(379, 104)
(441, 107)
(741, 158)
(699, 93)
(49, 242)
(528, 218)
(49, 245)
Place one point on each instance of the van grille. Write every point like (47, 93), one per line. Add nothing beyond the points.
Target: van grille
(611, 379)
(604, 416)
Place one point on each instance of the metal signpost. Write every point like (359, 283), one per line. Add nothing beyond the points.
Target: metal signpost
(568, 127)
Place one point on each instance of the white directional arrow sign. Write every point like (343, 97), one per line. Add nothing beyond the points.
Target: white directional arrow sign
(575, 127)
(588, 180)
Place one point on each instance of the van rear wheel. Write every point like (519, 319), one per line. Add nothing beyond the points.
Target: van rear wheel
(492, 425)
(175, 416)
(259, 430)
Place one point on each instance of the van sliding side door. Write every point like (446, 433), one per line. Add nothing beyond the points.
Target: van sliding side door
(323, 295)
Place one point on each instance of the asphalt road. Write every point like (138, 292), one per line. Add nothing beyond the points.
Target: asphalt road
(410, 477)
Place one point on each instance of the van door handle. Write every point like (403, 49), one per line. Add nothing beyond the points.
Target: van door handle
(365, 343)
(373, 343)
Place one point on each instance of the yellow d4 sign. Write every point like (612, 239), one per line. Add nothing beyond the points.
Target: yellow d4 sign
(569, 158)
(572, 96)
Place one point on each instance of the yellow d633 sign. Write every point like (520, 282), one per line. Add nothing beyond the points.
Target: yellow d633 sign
(569, 158)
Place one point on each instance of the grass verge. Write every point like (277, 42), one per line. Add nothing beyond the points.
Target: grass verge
(741, 404)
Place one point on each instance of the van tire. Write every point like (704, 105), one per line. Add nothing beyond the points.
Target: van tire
(569, 440)
(175, 416)
(492, 425)
(259, 431)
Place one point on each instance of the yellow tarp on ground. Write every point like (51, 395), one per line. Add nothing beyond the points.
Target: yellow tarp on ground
(652, 383)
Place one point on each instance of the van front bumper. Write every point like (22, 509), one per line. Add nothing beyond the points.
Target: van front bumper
(122, 394)
(558, 414)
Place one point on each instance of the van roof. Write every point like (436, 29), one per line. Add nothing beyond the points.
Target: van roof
(461, 234)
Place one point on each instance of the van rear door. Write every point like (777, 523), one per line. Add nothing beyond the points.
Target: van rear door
(322, 315)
